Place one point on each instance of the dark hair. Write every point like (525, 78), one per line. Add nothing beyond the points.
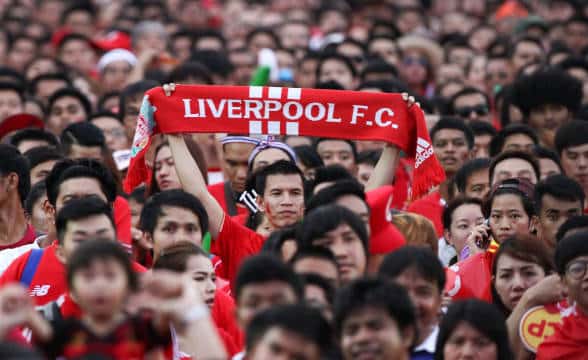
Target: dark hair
(327, 218)
(84, 134)
(82, 168)
(317, 252)
(94, 250)
(175, 257)
(379, 66)
(37, 191)
(569, 248)
(216, 61)
(379, 294)
(319, 281)
(34, 134)
(104, 113)
(514, 155)
(523, 39)
(14, 162)
(264, 268)
(101, 104)
(519, 187)
(308, 156)
(484, 317)
(331, 173)
(387, 85)
(190, 69)
(571, 134)
(8, 74)
(525, 248)
(572, 223)
(547, 86)
(280, 167)
(70, 92)
(298, 319)
(34, 83)
(331, 193)
(464, 92)
(349, 142)
(337, 57)
(273, 244)
(369, 157)
(461, 177)
(421, 259)
(135, 89)
(497, 144)
(71, 37)
(456, 203)
(447, 122)
(480, 128)
(12, 351)
(541, 152)
(560, 187)
(153, 209)
(262, 30)
(80, 6)
(138, 194)
(79, 209)
(11, 86)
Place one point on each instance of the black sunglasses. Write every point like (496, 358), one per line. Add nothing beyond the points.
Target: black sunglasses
(465, 111)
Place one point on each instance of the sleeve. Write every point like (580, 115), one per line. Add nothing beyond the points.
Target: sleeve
(13, 272)
(122, 219)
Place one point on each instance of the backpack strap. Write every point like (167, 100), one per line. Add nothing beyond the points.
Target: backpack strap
(31, 267)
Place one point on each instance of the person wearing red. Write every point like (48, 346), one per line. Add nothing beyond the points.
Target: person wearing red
(570, 338)
(15, 185)
(453, 144)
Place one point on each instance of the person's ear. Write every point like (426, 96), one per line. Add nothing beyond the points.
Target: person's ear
(146, 241)
(447, 236)
(409, 337)
(49, 211)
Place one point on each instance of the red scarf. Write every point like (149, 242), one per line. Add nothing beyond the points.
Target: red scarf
(252, 110)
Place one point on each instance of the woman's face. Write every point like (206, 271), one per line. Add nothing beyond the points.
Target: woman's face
(165, 170)
(463, 221)
(202, 272)
(513, 277)
(466, 342)
(508, 217)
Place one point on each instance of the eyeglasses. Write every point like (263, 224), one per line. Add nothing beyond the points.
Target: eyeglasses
(415, 61)
(465, 111)
(577, 269)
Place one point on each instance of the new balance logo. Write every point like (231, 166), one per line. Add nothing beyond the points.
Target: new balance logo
(424, 151)
(40, 290)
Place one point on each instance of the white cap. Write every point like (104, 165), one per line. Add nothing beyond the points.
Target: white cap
(116, 55)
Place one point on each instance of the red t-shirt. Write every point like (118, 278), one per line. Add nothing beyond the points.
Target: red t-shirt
(122, 221)
(233, 244)
(28, 237)
(430, 206)
(218, 192)
(570, 339)
(49, 281)
(223, 314)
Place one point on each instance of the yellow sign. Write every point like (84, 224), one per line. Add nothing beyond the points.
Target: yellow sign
(536, 325)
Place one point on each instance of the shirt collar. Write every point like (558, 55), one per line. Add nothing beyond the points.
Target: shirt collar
(430, 342)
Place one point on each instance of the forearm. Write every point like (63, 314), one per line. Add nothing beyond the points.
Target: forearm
(385, 168)
(513, 321)
(200, 339)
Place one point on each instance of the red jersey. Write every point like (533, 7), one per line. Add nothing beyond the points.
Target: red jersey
(28, 238)
(430, 206)
(122, 221)
(570, 339)
(49, 280)
(220, 191)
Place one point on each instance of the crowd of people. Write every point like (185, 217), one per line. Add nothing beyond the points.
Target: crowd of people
(290, 247)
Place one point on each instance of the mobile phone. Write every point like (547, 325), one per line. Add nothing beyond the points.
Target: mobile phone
(485, 242)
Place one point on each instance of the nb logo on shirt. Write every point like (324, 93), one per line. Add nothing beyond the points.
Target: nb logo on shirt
(40, 290)
(424, 151)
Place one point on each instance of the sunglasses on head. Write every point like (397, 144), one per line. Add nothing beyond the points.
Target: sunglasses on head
(415, 61)
(465, 111)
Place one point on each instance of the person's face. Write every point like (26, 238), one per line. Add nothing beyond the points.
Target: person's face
(315, 297)
(261, 41)
(41, 171)
(322, 267)
(306, 73)
(554, 212)
(78, 231)
(482, 38)
(79, 55)
(80, 22)
(461, 56)
(518, 142)
(46, 88)
(451, 148)
(256, 297)
(114, 75)
(279, 343)
(21, 53)
(10, 104)
(202, 272)
(508, 217)
(450, 72)
(426, 298)
(548, 167)
(354, 53)
(235, 164)
(576, 35)
(283, 200)
(472, 107)
(364, 172)
(38, 216)
(337, 152)
(150, 40)
(101, 289)
(386, 49)
(482, 146)
(466, 342)
(77, 188)
(348, 249)
(85, 152)
(175, 225)
(575, 280)
(244, 63)
(414, 69)
(463, 221)
(132, 107)
(41, 66)
(525, 53)
(267, 157)
(513, 277)
(181, 48)
(114, 132)
(357, 206)
(478, 185)
(546, 119)
(336, 70)
(498, 73)
(295, 36)
(574, 161)
(513, 168)
(370, 333)
(65, 111)
(165, 170)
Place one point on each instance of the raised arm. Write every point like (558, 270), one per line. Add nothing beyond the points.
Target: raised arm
(192, 181)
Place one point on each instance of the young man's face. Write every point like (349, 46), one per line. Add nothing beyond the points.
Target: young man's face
(283, 200)
(348, 249)
(426, 298)
(472, 107)
(525, 53)
(175, 225)
(576, 280)
(10, 104)
(256, 297)
(370, 333)
(451, 148)
(78, 231)
(554, 212)
(336, 70)
(235, 164)
(482, 146)
(518, 142)
(76, 188)
(337, 152)
(498, 72)
(574, 161)
(513, 168)
(65, 111)
(114, 132)
(322, 267)
(279, 343)
(478, 185)
(41, 171)
(546, 119)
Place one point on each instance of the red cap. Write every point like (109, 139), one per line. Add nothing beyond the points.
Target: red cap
(113, 40)
(385, 237)
(18, 122)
